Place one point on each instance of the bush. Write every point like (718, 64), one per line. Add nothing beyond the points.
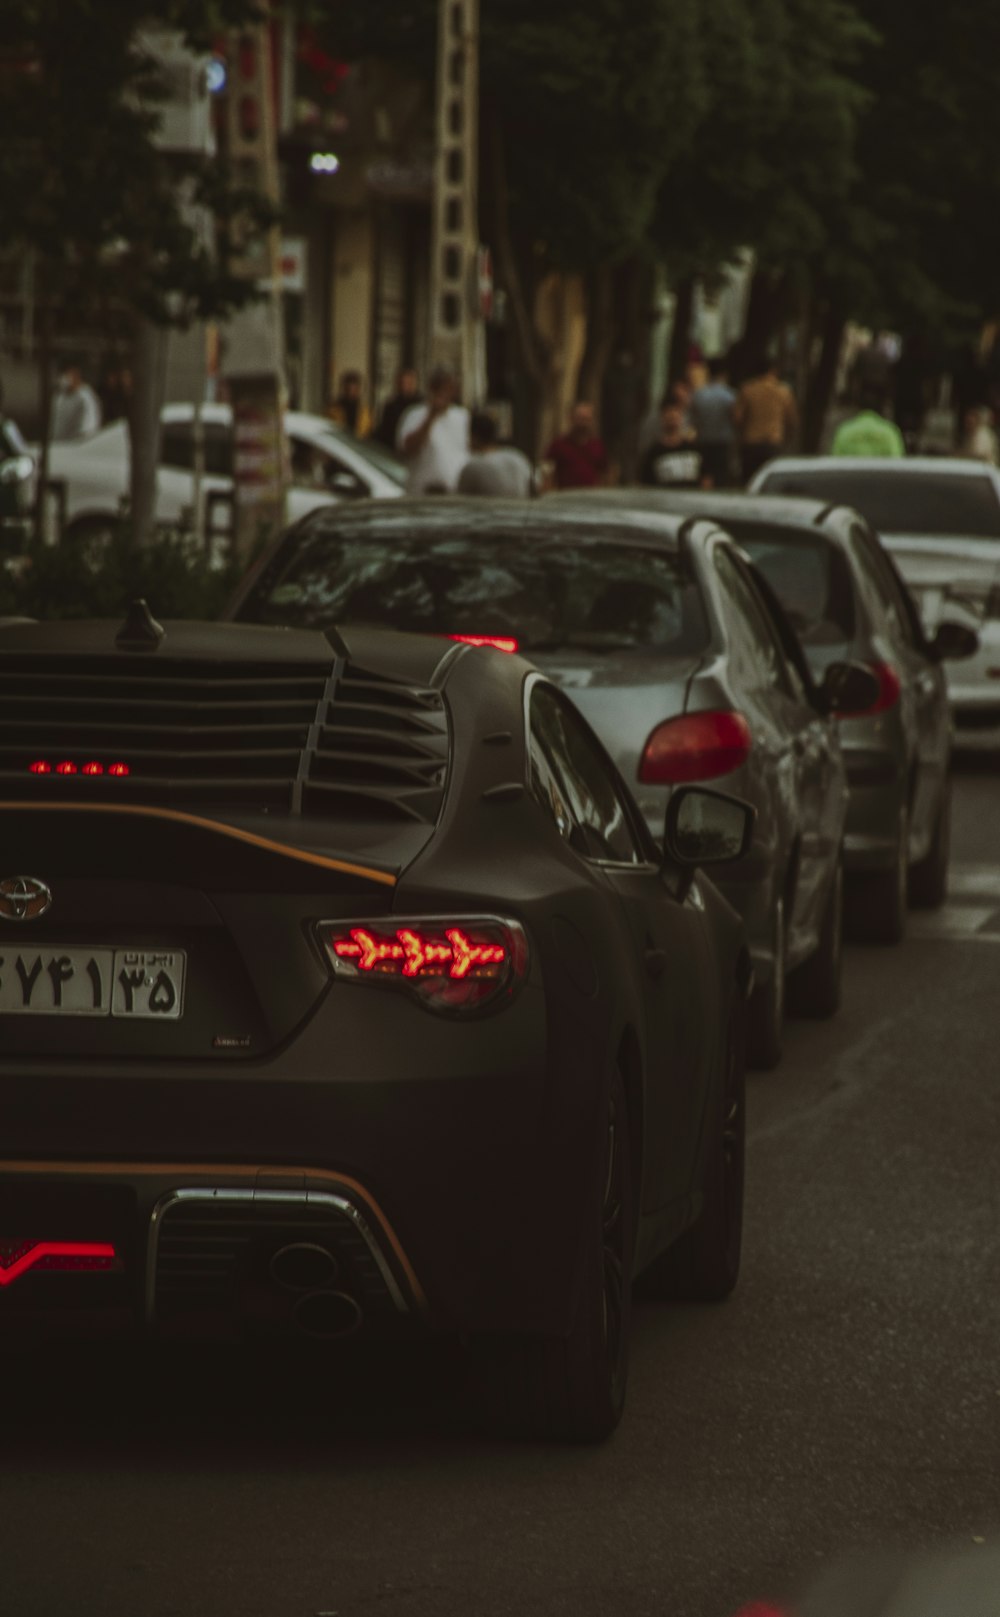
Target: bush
(99, 581)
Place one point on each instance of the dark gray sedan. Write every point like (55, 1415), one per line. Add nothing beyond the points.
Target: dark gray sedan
(662, 634)
(847, 601)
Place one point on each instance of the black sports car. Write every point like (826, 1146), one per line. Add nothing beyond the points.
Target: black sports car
(342, 987)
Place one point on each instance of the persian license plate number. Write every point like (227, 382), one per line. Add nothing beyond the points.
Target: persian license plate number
(145, 985)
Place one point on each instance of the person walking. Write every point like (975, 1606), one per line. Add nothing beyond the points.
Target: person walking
(673, 460)
(712, 413)
(76, 409)
(766, 417)
(494, 468)
(578, 458)
(407, 393)
(433, 437)
(869, 432)
(349, 409)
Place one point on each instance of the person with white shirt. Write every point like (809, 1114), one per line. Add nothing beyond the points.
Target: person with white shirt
(76, 409)
(433, 437)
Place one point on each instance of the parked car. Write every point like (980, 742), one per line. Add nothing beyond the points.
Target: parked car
(659, 631)
(847, 603)
(940, 520)
(327, 465)
(346, 991)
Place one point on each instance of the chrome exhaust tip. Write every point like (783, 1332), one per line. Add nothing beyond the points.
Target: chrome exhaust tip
(327, 1315)
(304, 1266)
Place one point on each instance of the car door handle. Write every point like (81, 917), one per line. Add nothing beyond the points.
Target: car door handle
(656, 963)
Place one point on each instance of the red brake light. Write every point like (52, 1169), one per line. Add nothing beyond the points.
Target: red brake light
(499, 642)
(16, 1258)
(888, 692)
(68, 766)
(449, 964)
(695, 746)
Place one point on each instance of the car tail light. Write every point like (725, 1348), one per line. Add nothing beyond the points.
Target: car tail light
(17, 1257)
(695, 746)
(499, 642)
(449, 964)
(888, 692)
(70, 766)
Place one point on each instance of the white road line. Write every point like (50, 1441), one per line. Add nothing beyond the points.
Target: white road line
(974, 881)
(962, 921)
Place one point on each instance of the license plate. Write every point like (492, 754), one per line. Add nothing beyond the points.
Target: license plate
(145, 985)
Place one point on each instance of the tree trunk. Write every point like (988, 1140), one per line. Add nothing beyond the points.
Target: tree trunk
(680, 333)
(823, 379)
(149, 352)
(530, 360)
(602, 329)
(45, 424)
(764, 313)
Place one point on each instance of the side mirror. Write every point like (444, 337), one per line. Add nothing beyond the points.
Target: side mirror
(707, 828)
(849, 688)
(953, 641)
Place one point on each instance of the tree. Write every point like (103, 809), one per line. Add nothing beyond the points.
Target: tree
(110, 219)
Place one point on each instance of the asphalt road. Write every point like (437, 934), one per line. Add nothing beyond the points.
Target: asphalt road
(848, 1395)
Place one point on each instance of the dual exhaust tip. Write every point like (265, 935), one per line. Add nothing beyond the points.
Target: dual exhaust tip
(320, 1309)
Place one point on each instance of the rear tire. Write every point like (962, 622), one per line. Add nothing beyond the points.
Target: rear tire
(814, 988)
(766, 1018)
(929, 878)
(703, 1265)
(574, 1387)
(877, 901)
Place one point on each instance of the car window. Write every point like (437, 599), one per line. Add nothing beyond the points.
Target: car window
(574, 782)
(885, 595)
(809, 575)
(755, 656)
(917, 501)
(177, 447)
(313, 466)
(531, 582)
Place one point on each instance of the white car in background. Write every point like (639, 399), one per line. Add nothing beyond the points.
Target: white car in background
(940, 519)
(327, 465)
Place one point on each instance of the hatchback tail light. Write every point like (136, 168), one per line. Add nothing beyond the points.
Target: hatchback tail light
(450, 964)
(695, 746)
(499, 642)
(888, 692)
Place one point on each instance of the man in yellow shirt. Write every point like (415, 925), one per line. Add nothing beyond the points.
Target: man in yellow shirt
(766, 418)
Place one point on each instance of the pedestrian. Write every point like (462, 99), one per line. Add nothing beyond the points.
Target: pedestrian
(713, 417)
(765, 415)
(349, 409)
(578, 458)
(76, 409)
(679, 393)
(494, 468)
(115, 394)
(433, 437)
(407, 393)
(979, 441)
(869, 432)
(673, 460)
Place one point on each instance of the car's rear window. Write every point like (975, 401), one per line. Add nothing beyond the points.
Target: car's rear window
(921, 502)
(543, 589)
(810, 577)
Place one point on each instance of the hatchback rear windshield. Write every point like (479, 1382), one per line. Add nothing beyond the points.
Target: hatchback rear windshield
(543, 589)
(810, 577)
(923, 502)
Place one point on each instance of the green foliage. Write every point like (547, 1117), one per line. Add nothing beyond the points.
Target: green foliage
(83, 184)
(72, 581)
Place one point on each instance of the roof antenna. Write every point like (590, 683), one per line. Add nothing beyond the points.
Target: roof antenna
(140, 630)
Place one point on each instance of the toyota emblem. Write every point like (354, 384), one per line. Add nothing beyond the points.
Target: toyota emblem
(23, 898)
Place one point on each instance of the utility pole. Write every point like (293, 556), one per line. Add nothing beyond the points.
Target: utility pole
(457, 329)
(254, 347)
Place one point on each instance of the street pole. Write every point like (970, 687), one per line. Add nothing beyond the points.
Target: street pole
(457, 330)
(254, 364)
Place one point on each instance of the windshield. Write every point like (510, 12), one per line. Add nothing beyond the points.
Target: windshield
(810, 577)
(529, 584)
(374, 453)
(925, 502)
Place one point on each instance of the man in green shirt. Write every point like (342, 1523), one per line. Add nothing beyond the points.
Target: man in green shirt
(868, 432)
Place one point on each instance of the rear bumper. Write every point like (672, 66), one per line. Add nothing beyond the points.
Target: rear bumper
(456, 1190)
